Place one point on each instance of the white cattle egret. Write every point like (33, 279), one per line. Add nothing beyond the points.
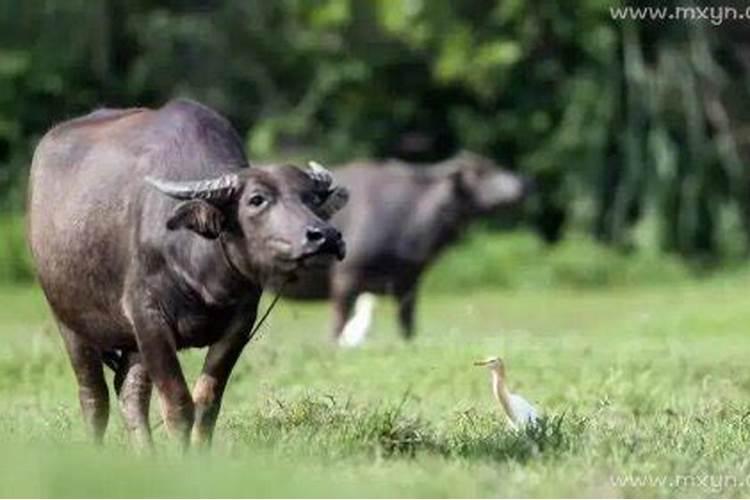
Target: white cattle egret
(519, 411)
(356, 328)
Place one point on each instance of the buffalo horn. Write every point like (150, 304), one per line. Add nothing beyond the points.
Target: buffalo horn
(320, 175)
(334, 202)
(335, 198)
(219, 189)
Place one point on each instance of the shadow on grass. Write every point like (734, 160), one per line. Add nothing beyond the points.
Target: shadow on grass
(323, 426)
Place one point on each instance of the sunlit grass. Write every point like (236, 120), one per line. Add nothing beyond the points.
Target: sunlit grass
(633, 382)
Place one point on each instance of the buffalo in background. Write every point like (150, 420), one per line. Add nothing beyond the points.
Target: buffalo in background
(400, 217)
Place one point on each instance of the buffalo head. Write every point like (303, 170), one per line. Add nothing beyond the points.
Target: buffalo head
(481, 184)
(270, 221)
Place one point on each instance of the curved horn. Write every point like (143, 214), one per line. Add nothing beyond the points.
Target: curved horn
(335, 201)
(320, 175)
(219, 189)
(334, 198)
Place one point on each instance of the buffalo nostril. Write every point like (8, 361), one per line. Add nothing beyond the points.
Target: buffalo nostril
(315, 235)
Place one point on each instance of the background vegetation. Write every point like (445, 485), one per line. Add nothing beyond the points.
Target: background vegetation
(634, 131)
(636, 134)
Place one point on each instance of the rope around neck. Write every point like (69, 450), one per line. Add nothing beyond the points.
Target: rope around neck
(236, 271)
(267, 312)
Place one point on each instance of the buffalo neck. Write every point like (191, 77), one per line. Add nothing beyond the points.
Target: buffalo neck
(433, 232)
(203, 266)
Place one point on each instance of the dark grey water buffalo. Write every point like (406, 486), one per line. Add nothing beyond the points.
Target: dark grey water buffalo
(150, 234)
(400, 218)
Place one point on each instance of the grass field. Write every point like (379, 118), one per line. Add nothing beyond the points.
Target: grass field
(646, 392)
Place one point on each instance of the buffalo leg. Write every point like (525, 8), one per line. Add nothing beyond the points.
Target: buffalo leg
(342, 311)
(344, 291)
(209, 388)
(343, 294)
(159, 356)
(406, 304)
(92, 387)
(133, 389)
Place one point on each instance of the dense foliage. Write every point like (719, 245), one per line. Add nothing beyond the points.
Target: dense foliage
(634, 131)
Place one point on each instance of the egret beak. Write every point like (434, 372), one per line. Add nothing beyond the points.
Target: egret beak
(481, 363)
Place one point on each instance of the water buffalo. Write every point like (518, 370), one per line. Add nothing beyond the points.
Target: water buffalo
(400, 218)
(150, 234)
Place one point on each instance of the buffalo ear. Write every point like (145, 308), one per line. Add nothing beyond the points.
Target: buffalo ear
(199, 216)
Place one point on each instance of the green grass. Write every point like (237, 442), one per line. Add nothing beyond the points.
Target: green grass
(520, 260)
(15, 261)
(645, 392)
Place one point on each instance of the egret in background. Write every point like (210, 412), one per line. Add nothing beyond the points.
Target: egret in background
(356, 328)
(520, 412)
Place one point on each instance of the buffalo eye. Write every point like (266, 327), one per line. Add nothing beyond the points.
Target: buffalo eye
(257, 200)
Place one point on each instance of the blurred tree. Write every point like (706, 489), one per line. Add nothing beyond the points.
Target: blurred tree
(632, 130)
